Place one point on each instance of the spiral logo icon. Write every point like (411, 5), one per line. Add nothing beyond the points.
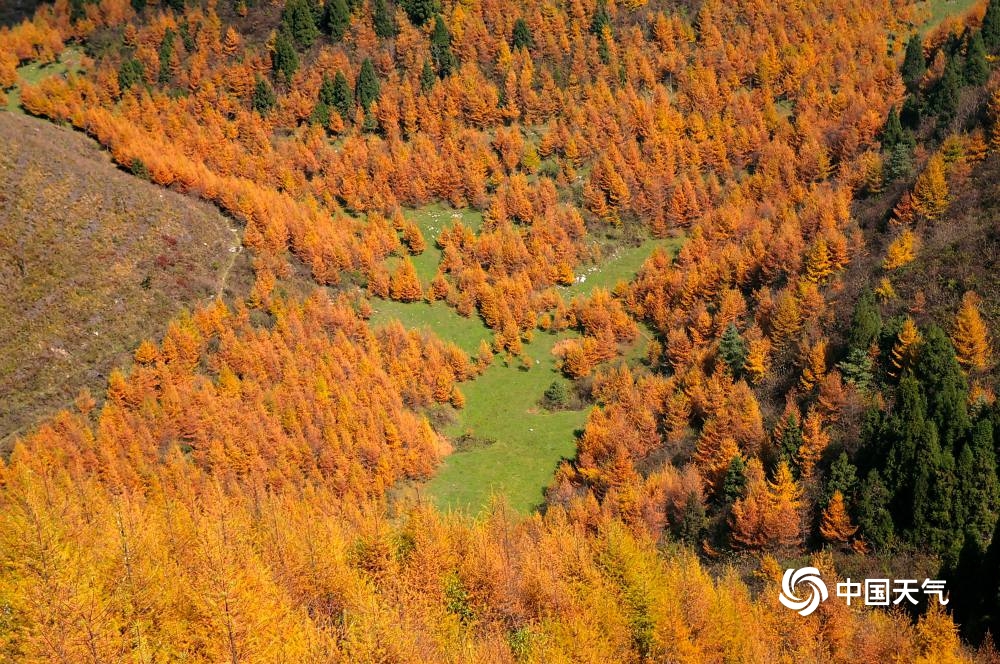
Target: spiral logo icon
(817, 590)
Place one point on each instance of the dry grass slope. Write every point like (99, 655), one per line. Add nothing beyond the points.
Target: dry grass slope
(92, 260)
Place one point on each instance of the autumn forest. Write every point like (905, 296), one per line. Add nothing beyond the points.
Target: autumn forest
(481, 331)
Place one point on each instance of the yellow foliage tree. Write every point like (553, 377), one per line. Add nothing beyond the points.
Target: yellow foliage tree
(930, 193)
(405, 285)
(906, 344)
(783, 521)
(786, 319)
(814, 365)
(902, 251)
(819, 265)
(758, 359)
(815, 440)
(836, 525)
(970, 335)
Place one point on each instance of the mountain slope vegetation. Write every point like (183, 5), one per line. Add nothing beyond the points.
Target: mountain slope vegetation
(816, 382)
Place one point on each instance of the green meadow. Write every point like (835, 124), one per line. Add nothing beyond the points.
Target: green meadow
(506, 443)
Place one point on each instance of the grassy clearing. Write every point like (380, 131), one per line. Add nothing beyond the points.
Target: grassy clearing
(438, 317)
(937, 11)
(620, 265)
(502, 405)
(431, 220)
(33, 73)
(517, 444)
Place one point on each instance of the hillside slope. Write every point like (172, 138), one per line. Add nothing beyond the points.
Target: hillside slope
(92, 260)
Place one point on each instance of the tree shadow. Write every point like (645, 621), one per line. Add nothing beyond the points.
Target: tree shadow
(13, 12)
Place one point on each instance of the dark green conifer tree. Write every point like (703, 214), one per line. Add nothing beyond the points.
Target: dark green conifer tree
(892, 133)
(383, 20)
(735, 481)
(166, 52)
(991, 27)
(367, 89)
(934, 525)
(866, 321)
(914, 63)
(341, 98)
(978, 488)
(263, 97)
(521, 36)
(427, 77)
(298, 18)
(843, 477)
(419, 11)
(943, 101)
(130, 73)
(733, 350)
(336, 19)
(444, 60)
(874, 517)
(791, 440)
(601, 19)
(284, 60)
(944, 387)
(977, 69)
(327, 96)
(692, 521)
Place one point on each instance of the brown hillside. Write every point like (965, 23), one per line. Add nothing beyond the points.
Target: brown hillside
(92, 260)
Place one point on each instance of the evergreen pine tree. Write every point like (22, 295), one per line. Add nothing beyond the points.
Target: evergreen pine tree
(367, 89)
(892, 133)
(327, 96)
(419, 11)
(843, 477)
(692, 522)
(914, 63)
(383, 20)
(130, 73)
(943, 101)
(601, 19)
(978, 487)
(444, 60)
(791, 439)
(284, 60)
(427, 76)
(166, 52)
(866, 323)
(733, 350)
(900, 162)
(263, 97)
(300, 23)
(340, 96)
(905, 434)
(873, 511)
(944, 386)
(336, 19)
(911, 112)
(977, 69)
(934, 525)
(991, 27)
(521, 36)
(735, 481)
(555, 395)
(857, 369)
